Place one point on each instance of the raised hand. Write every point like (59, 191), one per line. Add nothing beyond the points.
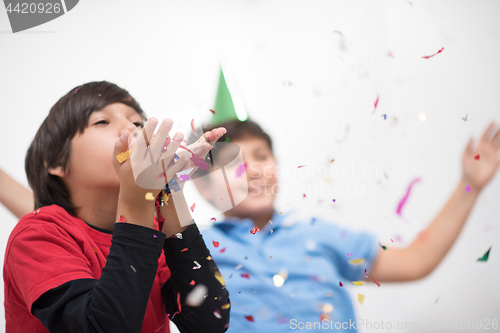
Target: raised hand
(480, 164)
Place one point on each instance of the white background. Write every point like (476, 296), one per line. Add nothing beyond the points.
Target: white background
(303, 82)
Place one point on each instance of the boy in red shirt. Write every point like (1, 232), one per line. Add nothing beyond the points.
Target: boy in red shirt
(69, 267)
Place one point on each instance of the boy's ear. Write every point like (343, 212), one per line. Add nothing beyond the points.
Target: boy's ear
(57, 172)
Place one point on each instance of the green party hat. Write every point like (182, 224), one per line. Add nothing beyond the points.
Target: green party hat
(228, 102)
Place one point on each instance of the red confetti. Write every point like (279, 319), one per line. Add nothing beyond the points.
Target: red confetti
(192, 282)
(301, 166)
(303, 195)
(249, 318)
(213, 219)
(184, 249)
(192, 127)
(222, 251)
(199, 162)
(212, 111)
(245, 275)
(122, 219)
(378, 284)
(376, 103)
(216, 244)
(340, 284)
(366, 274)
(427, 57)
(254, 230)
(192, 207)
(476, 157)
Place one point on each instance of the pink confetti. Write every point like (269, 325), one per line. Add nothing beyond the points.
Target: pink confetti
(403, 200)
(216, 244)
(213, 219)
(349, 254)
(303, 195)
(184, 177)
(76, 90)
(155, 236)
(427, 57)
(199, 162)
(378, 284)
(254, 230)
(245, 275)
(192, 127)
(241, 168)
(390, 54)
(249, 318)
(300, 166)
(376, 103)
(222, 251)
(217, 314)
(467, 188)
(192, 207)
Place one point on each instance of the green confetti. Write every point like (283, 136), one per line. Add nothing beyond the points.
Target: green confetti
(227, 139)
(383, 246)
(485, 257)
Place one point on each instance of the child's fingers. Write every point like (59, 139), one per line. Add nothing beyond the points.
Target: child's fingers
(486, 137)
(172, 147)
(470, 146)
(215, 134)
(178, 166)
(141, 138)
(120, 150)
(160, 139)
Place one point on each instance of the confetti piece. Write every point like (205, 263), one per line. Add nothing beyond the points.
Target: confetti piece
(357, 261)
(149, 196)
(192, 127)
(199, 162)
(122, 219)
(467, 188)
(340, 284)
(213, 219)
(403, 200)
(133, 268)
(245, 275)
(212, 111)
(385, 116)
(192, 282)
(427, 57)
(173, 185)
(154, 236)
(184, 177)
(361, 298)
(122, 157)
(382, 246)
(358, 283)
(238, 267)
(241, 168)
(435, 302)
(375, 104)
(303, 195)
(226, 306)
(333, 200)
(227, 139)
(485, 257)
(219, 278)
(198, 266)
(345, 134)
(366, 274)
(378, 284)
(184, 249)
(192, 207)
(217, 314)
(76, 90)
(476, 157)
(465, 119)
(36, 212)
(390, 54)
(271, 231)
(210, 258)
(254, 230)
(300, 166)
(249, 318)
(222, 250)
(215, 243)
(392, 240)
(196, 296)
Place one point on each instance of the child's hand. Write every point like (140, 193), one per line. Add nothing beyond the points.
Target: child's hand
(479, 165)
(150, 164)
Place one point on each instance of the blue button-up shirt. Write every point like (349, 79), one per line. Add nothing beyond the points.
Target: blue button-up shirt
(311, 258)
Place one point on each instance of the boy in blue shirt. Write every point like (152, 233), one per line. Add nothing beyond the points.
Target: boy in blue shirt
(290, 275)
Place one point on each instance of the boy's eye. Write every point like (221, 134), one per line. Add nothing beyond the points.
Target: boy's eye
(101, 122)
(139, 124)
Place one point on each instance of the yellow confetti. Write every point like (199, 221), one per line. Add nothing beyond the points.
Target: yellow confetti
(226, 306)
(358, 283)
(165, 197)
(271, 257)
(361, 298)
(122, 157)
(357, 261)
(150, 196)
(280, 213)
(219, 277)
(210, 258)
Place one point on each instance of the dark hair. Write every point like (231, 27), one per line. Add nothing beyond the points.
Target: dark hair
(236, 130)
(51, 146)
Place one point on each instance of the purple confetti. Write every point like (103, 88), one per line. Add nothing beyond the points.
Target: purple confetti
(403, 201)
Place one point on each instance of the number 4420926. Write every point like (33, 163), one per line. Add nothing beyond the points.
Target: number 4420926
(32, 8)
